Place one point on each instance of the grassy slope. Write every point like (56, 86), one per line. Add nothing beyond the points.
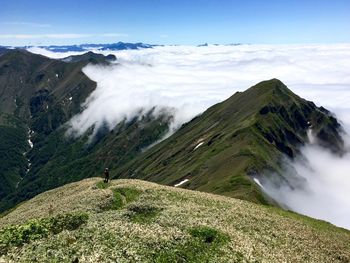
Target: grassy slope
(137, 221)
(242, 136)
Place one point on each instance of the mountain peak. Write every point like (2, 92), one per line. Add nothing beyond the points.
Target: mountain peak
(234, 141)
(91, 57)
(272, 86)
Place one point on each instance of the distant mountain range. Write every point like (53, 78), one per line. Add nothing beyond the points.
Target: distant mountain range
(86, 47)
(111, 47)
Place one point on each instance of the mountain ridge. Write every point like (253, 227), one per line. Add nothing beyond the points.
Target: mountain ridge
(236, 140)
(138, 221)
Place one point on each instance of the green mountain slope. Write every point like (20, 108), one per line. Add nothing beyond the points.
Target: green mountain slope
(137, 221)
(38, 96)
(222, 150)
(35, 94)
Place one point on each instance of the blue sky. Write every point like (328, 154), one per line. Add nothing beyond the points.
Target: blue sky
(174, 22)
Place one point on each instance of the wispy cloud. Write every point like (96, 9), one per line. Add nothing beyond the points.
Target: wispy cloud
(28, 24)
(113, 35)
(58, 36)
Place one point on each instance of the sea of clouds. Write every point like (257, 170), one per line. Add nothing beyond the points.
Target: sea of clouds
(189, 79)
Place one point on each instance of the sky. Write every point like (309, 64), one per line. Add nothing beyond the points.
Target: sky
(185, 22)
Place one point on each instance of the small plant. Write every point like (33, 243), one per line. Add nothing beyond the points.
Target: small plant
(102, 185)
(143, 213)
(208, 235)
(117, 202)
(18, 235)
(201, 247)
(122, 196)
(130, 194)
(66, 222)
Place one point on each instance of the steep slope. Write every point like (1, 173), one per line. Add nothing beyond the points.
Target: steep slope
(3, 50)
(38, 96)
(137, 221)
(233, 142)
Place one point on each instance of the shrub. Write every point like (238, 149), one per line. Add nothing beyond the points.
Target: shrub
(122, 196)
(143, 213)
(208, 235)
(18, 235)
(201, 247)
(102, 185)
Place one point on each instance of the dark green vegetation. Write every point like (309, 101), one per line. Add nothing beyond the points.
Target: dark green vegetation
(13, 143)
(202, 245)
(17, 235)
(38, 96)
(233, 141)
(161, 224)
(122, 196)
(143, 213)
(102, 185)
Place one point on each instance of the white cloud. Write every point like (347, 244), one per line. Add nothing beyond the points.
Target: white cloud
(190, 79)
(324, 193)
(113, 35)
(52, 54)
(58, 36)
(30, 24)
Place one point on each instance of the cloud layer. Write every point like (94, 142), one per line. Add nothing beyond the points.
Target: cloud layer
(190, 79)
(325, 192)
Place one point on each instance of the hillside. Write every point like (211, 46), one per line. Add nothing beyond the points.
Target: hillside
(38, 96)
(235, 142)
(137, 221)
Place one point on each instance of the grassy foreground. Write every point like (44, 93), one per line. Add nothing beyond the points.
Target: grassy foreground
(137, 221)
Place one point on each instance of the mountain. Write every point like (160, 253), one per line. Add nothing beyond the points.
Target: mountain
(138, 221)
(224, 150)
(38, 97)
(3, 50)
(236, 142)
(85, 47)
(91, 57)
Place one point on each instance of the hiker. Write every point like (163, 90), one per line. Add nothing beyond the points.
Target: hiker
(106, 175)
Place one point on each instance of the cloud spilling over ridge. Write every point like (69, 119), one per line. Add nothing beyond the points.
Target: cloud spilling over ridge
(324, 193)
(190, 79)
(51, 54)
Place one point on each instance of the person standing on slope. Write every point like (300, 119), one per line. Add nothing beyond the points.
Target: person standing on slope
(106, 175)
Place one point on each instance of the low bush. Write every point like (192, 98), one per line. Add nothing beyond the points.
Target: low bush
(17, 235)
(204, 243)
(143, 213)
